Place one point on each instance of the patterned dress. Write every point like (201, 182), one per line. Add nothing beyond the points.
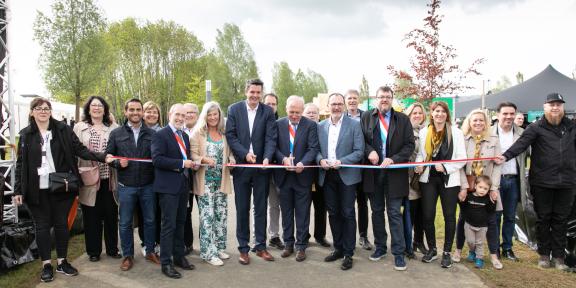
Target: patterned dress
(213, 205)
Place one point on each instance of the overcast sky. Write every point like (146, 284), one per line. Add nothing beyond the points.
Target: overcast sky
(342, 40)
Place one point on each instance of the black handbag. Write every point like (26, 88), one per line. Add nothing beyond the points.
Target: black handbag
(63, 182)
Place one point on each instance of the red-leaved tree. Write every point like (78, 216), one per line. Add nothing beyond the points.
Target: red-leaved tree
(435, 71)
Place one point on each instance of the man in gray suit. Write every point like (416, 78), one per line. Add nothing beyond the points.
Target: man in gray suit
(341, 142)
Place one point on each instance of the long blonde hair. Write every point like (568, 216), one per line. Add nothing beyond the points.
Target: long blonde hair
(467, 129)
(202, 125)
(411, 108)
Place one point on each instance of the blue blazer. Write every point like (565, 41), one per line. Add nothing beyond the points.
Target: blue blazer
(349, 150)
(305, 150)
(167, 160)
(263, 138)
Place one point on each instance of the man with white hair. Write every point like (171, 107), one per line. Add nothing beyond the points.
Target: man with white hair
(296, 147)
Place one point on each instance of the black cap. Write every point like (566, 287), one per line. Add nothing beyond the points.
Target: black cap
(554, 97)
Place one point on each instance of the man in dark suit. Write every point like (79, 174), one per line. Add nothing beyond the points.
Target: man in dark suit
(341, 142)
(297, 147)
(172, 176)
(251, 134)
(389, 139)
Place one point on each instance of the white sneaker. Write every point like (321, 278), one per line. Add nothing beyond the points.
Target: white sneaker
(144, 251)
(222, 255)
(215, 261)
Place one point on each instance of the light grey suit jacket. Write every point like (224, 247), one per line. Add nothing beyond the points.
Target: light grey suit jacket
(349, 150)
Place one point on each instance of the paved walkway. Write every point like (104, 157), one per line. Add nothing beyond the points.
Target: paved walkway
(313, 272)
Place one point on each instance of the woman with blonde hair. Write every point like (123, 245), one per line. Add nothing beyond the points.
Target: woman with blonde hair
(480, 144)
(212, 181)
(413, 217)
(152, 116)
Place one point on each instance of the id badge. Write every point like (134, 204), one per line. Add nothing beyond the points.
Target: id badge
(42, 171)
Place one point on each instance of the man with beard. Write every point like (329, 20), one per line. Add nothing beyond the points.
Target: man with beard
(551, 177)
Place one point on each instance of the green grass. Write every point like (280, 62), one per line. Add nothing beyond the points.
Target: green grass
(28, 275)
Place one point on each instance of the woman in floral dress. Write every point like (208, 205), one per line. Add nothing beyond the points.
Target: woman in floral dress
(212, 182)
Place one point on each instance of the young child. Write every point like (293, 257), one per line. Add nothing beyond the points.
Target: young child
(476, 209)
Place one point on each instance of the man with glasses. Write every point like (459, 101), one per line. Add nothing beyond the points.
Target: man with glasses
(341, 142)
(389, 139)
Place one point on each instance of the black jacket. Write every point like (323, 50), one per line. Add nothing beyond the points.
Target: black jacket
(553, 158)
(399, 147)
(65, 147)
(121, 143)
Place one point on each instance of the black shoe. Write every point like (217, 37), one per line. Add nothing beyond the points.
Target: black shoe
(188, 250)
(184, 264)
(446, 260)
(66, 269)
(430, 256)
(410, 255)
(115, 255)
(323, 242)
(169, 271)
(335, 255)
(276, 243)
(94, 258)
(47, 273)
(253, 250)
(509, 254)
(365, 243)
(420, 247)
(346, 263)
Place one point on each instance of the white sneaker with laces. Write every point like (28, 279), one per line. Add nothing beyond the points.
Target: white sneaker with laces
(223, 255)
(215, 261)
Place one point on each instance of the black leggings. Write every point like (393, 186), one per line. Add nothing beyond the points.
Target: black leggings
(417, 218)
(101, 220)
(449, 199)
(52, 211)
(492, 236)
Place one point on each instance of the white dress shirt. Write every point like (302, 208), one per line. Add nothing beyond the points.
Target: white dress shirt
(506, 140)
(251, 118)
(333, 133)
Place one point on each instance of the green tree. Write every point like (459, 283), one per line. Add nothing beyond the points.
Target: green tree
(236, 55)
(519, 77)
(73, 48)
(502, 84)
(364, 89)
(283, 85)
(312, 84)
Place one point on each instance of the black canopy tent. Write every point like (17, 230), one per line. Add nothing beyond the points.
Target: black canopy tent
(528, 95)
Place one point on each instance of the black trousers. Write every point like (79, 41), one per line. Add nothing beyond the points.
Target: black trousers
(449, 199)
(417, 218)
(362, 202)
(173, 208)
(319, 212)
(52, 211)
(188, 231)
(553, 207)
(101, 220)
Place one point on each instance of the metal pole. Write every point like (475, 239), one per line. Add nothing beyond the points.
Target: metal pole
(208, 91)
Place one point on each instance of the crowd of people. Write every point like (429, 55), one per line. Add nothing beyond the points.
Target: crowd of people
(141, 170)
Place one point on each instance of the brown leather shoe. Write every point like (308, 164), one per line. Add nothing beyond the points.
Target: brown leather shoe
(264, 254)
(152, 257)
(244, 259)
(300, 256)
(127, 263)
(287, 252)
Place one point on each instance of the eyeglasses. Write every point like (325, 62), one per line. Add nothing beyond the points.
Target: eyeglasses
(42, 109)
(96, 105)
(384, 97)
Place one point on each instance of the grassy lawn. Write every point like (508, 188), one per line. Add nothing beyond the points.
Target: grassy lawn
(523, 274)
(28, 275)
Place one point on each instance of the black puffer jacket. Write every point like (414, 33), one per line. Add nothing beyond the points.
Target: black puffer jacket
(553, 159)
(121, 143)
(65, 147)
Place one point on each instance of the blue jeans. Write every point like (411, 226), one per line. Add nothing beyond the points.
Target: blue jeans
(407, 224)
(509, 193)
(129, 197)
